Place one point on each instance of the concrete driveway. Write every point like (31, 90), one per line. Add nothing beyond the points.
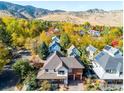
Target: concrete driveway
(75, 85)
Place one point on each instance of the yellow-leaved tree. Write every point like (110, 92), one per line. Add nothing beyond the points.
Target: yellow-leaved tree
(45, 38)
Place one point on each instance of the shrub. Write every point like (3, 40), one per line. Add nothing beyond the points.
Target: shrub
(22, 67)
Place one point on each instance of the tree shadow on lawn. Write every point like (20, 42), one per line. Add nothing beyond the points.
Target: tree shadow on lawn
(8, 79)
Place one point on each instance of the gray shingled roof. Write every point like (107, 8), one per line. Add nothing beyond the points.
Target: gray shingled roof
(71, 62)
(49, 76)
(91, 48)
(70, 49)
(55, 61)
(52, 62)
(107, 61)
(54, 42)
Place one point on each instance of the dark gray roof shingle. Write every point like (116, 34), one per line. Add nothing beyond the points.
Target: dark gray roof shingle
(107, 61)
(55, 61)
(71, 62)
(49, 76)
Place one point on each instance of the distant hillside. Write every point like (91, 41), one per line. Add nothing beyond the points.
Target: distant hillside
(111, 18)
(94, 16)
(23, 11)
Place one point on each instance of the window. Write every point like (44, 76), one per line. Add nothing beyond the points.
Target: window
(121, 73)
(116, 52)
(54, 70)
(46, 70)
(61, 72)
(111, 71)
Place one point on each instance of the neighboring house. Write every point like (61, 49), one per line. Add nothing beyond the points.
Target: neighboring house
(61, 68)
(81, 32)
(75, 32)
(56, 30)
(56, 39)
(52, 31)
(73, 51)
(91, 51)
(94, 33)
(54, 46)
(108, 64)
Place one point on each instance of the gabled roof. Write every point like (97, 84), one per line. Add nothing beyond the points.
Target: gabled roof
(71, 62)
(55, 38)
(54, 43)
(56, 30)
(107, 61)
(72, 49)
(55, 61)
(81, 32)
(112, 51)
(94, 32)
(91, 48)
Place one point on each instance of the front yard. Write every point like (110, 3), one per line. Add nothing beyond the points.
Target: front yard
(99, 85)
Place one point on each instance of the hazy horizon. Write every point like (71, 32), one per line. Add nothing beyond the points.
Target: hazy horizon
(73, 5)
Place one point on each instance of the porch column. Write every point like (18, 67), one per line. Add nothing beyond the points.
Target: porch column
(73, 76)
(66, 81)
(81, 76)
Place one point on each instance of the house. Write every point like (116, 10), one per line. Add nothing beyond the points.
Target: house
(94, 33)
(56, 30)
(91, 51)
(54, 46)
(81, 32)
(52, 31)
(113, 51)
(108, 65)
(60, 68)
(73, 51)
(56, 39)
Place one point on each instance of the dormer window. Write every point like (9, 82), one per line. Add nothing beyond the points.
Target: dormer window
(116, 52)
(46, 70)
(112, 71)
(121, 73)
(61, 72)
(54, 70)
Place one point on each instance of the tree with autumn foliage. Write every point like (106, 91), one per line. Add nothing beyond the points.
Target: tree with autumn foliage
(5, 56)
(86, 25)
(45, 38)
(64, 40)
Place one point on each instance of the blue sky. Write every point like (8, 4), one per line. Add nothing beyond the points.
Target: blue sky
(73, 5)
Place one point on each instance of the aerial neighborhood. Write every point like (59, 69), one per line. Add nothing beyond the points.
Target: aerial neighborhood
(60, 65)
(39, 55)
